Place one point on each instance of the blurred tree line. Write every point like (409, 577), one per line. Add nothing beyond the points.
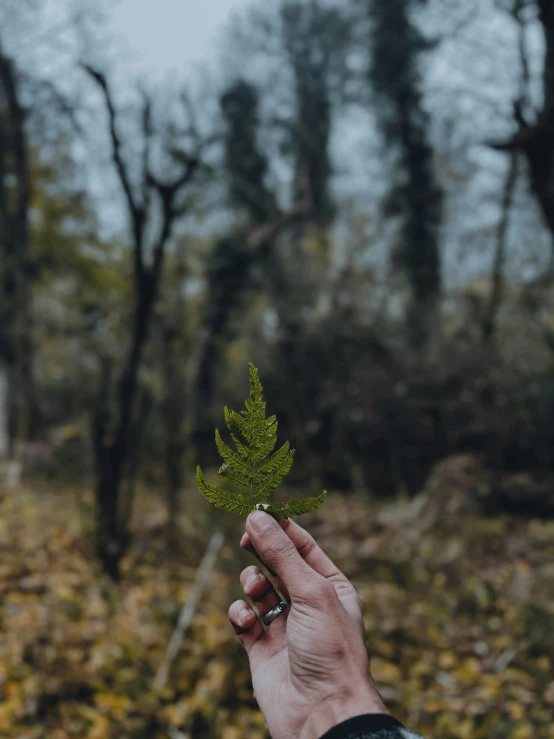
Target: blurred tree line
(319, 211)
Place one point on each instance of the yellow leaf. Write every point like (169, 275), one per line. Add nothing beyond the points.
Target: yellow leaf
(385, 672)
(116, 705)
(523, 731)
(516, 710)
(468, 671)
(447, 660)
(100, 728)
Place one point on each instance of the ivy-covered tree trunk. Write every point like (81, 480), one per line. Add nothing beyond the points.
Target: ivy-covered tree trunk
(230, 266)
(395, 48)
(15, 296)
(228, 276)
(312, 38)
(535, 133)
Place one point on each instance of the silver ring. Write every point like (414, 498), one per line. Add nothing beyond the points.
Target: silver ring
(272, 615)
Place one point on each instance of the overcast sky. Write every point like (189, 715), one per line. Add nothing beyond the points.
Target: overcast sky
(168, 36)
(173, 41)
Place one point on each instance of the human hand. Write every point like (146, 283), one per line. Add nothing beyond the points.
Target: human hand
(310, 669)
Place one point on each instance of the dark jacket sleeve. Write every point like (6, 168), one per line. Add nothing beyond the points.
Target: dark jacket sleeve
(370, 726)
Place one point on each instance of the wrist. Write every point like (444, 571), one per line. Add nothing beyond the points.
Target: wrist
(340, 707)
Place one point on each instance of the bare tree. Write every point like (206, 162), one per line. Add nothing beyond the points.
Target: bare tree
(113, 425)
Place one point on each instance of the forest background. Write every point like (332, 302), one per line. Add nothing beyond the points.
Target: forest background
(356, 196)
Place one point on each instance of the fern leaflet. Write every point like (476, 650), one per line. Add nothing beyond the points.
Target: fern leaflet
(254, 465)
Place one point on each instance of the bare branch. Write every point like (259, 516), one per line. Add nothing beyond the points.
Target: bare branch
(489, 322)
(136, 211)
(147, 131)
(122, 169)
(168, 193)
(262, 235)
(189, 609)
(56, 97)
(523, 102)
(459, 25)
(193, 129)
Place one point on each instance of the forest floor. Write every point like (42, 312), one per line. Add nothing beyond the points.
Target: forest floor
(459, 614)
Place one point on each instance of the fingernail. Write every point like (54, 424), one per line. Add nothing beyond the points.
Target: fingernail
(244, 615)
(260, 521)
(251, 580)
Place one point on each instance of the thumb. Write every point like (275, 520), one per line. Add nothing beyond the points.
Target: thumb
(277, 551)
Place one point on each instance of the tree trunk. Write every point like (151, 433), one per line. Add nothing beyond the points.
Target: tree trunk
(539, 144)
(16, 338)
(497, 281)
(416, 195)
(536, 139)
(112, 535)
(173, 409)
(174, 466)
(112, 453)
(4, 417)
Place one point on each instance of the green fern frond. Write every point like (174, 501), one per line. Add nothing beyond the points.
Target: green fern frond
(233, 502)
(254, 464)
(295, 507)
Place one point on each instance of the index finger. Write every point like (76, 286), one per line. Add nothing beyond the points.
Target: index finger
(307, 547)
(277, 551)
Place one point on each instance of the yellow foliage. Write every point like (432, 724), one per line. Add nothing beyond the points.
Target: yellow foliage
(116, 705)
(447, 660)
(11, 709)
(385, 672)
(523, 730)
(443, 652)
